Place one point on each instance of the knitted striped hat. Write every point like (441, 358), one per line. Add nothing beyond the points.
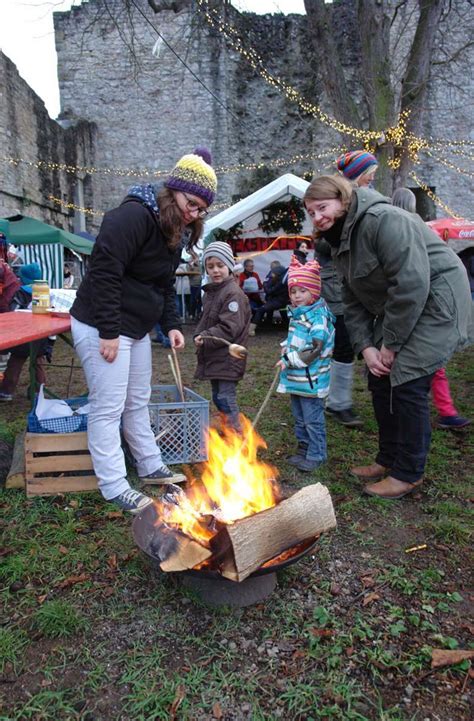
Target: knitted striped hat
(223, 251)
(194, 174)
(307, 276)
(354, 164)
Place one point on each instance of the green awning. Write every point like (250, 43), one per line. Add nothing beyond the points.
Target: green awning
(21, 230)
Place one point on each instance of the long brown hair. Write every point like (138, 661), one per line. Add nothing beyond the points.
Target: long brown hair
(171, 222)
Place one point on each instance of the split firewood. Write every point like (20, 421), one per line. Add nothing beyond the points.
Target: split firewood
(175, 551)
(258, 538)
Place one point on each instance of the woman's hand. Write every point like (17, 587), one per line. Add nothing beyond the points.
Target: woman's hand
(387, 356)
(108, 348)
(176, 339)
(373, 359)
(198, 341)
(280, 364)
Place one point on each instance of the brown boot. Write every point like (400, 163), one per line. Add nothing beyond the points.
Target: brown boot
(370, 473)
(391, 488)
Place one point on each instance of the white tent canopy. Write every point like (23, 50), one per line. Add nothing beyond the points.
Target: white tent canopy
(287, 184)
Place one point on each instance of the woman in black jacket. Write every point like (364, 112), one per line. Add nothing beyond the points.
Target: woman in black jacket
(128, 289)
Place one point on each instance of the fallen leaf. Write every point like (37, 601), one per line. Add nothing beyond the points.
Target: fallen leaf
(74, 504)
(114, 514)
(108, 591)
(335, 589)
(178, 700)
(63, 549)
(469, 627)
(42, 599)
(72, 580)
(370, 598)
(321, 632)
(349, 650)
(367, 581)
(443, 657)
(217, 711)
(112, 561)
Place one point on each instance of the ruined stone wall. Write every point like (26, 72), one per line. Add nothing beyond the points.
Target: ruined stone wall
(149, 109)
(28, 135)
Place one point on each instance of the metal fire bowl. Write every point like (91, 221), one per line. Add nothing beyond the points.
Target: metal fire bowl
(143, 531)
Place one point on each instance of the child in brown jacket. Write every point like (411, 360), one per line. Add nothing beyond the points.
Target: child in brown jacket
(226, 314)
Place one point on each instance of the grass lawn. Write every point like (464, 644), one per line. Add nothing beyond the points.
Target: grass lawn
(90, 633)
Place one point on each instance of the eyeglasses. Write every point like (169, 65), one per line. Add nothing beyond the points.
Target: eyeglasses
(193, 207)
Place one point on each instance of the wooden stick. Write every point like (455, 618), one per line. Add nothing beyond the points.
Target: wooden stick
(173, 370)
(267, 398)
(178, 373)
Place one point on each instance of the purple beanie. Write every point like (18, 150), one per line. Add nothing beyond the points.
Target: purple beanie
(194, 174)
(355, 163)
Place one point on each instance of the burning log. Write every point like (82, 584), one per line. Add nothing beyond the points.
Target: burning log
(175, 551)
(251, 541)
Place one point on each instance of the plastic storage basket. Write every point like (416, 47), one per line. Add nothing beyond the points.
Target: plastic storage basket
(67, 424)
(184, 424)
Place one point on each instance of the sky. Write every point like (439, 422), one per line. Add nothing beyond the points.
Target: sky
(27, 38)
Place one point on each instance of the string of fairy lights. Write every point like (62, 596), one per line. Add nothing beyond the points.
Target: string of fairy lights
(150, 173)
(395, 135)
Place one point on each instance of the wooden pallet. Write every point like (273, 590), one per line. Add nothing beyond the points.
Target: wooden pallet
(57, 463)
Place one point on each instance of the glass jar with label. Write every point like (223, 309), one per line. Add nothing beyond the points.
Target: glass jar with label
(40, 302)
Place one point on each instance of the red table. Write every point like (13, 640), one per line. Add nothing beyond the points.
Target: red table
(21, 326)
(24, 326)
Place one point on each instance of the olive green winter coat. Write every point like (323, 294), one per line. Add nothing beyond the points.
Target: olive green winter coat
(402, 287)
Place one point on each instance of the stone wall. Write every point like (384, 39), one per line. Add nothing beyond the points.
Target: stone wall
(28, 135)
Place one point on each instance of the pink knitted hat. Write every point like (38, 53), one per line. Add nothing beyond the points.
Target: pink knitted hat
(307, 276)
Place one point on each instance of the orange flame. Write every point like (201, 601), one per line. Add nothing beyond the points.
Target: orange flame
(234, 484)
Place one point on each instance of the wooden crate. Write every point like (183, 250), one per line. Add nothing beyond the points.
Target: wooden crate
(58, 463)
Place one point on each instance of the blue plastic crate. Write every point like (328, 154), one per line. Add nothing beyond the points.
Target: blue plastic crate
(67, 424)
(185, 424)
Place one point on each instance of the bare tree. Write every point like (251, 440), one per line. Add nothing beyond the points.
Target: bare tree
(399, 43)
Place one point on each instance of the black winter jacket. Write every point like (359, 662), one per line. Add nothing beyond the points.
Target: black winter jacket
(128, 287)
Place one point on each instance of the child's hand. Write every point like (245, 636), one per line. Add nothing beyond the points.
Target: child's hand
(198, 340)
(280, 364)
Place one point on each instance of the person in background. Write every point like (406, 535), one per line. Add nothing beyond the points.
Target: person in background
(127, 290)
(406, 305)
(68, 277)
(359, 167)
(226, 314)
(195, 283)
(339, 402)
(301, 251)
(276, 296)
(306, 361)
(29, 272)
(448, 418)
(251, 284)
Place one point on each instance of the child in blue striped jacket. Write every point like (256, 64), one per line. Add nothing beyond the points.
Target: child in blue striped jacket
(305, 363)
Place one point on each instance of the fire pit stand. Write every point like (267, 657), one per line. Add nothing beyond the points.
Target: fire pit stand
(209, 585)
(222, 592)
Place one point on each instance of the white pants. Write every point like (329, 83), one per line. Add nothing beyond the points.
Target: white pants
(117, 391)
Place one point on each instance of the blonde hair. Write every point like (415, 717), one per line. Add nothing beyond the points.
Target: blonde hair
(171, 222)
(330, 187)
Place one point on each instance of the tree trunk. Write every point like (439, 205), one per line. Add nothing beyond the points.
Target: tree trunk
(415, 83)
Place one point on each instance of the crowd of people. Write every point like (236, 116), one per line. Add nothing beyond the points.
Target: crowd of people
(373, 283)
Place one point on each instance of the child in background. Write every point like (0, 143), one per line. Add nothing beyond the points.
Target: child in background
(226, 314)
(306, 362)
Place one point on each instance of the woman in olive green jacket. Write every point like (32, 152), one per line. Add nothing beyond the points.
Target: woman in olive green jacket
(407, 308)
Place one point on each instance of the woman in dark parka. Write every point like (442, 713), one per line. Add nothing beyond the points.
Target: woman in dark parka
(407, 308)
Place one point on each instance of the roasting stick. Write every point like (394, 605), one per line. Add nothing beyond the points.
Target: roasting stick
(267, 398)
(178, 373)
(235, 350)
(176, 379)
